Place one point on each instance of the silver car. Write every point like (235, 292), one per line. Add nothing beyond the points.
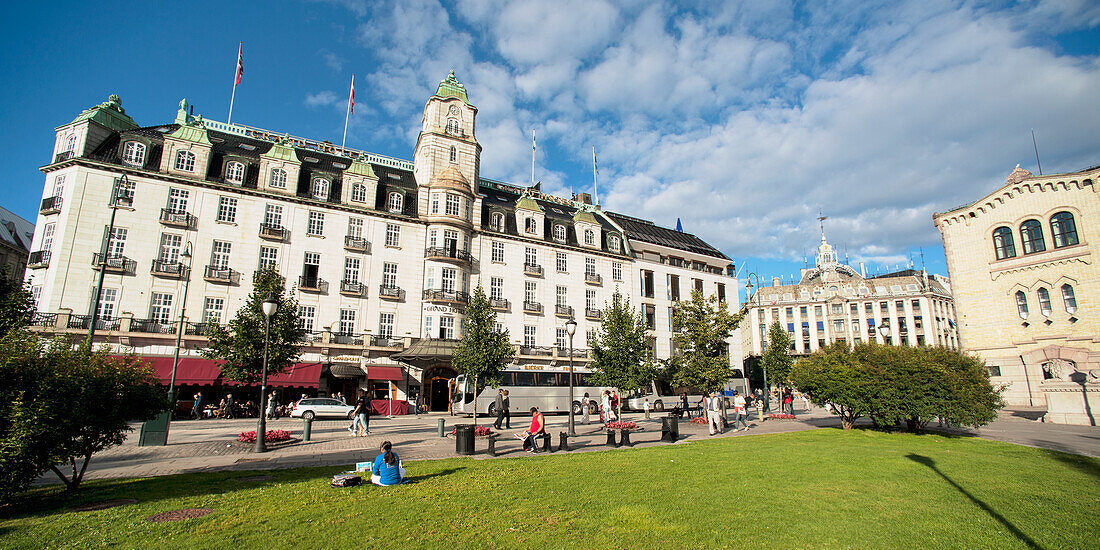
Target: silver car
(321, 407)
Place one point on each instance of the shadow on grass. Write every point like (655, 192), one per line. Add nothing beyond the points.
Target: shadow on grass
(441, 473)
(1016, 532)
(1081, 463)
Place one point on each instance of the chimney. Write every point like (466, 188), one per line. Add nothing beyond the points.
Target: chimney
(862, 270)
(583, 198)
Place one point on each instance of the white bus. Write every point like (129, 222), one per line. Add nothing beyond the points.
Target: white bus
(663, 397)
(529, 387)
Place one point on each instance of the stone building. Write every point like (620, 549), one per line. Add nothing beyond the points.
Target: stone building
(15, 240)
(381, 253)
(1022, 260)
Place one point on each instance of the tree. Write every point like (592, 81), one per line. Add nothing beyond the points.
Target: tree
(621, 358)
(483, 350)
(833, 376)
(16, 304)
(241, 343)
(777, 355)
(701, 327)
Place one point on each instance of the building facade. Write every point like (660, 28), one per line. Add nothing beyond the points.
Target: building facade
(381, 253)
(832, 302)
(15, 238)
(1022, 261)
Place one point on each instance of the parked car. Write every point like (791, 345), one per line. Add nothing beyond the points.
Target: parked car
(321, 407)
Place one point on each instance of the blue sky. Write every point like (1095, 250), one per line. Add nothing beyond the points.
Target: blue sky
(745, 119)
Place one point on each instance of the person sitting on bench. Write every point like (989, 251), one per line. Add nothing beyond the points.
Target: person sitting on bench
(538, 427)
(387, 468)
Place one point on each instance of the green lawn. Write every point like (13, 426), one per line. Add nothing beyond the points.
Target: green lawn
(814, 489)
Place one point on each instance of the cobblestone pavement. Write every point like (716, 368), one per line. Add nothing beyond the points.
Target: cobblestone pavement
(210, 445)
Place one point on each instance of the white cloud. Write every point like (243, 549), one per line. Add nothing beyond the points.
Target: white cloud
(323, 98)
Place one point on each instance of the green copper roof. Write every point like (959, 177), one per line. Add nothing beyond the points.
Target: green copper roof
(110, 114)
(191, 127)
(527, 202)
(281, 151)
(360, 167)
(585, 216)
(451, 87)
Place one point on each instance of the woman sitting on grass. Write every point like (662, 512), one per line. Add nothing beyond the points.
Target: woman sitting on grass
(387, 469)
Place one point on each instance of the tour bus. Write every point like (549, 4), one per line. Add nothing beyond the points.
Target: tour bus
(529, 386)
(662, 396)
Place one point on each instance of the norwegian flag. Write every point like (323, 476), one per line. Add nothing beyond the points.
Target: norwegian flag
(240, 64)
(351, 97)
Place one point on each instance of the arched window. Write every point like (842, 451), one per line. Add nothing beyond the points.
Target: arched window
(234, 173)
(497, 221)
(396, 202)
(278, 178)
(1063, 229)
(1031, 237)
(1069, 299)
(185, 161)
(452, 126)
(1021, 304)
(1044, 301)
(319, 188)
(70, 145)
(589, 237)
(133, 153)
(454, 154)
(1002, 243)
(613, 244)
(559, 233)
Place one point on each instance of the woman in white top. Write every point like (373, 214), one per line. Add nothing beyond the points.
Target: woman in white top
(608, 413)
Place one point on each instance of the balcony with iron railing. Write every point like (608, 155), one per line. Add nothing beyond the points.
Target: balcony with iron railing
(533, 270)
(221, 274)
(273, 232)
(152, 326)
(540, 351)
(38, 259)
(580, 353)
(50, 205)
(352, 288)
(345, 339)
(593, 314)
(313, 284)
(532, 307)
(386, 342)
(64, 155)
(593, 278)
(500, 304)
(391, 293)
(171, 270)
(447, 253)
(311, 337)
(563, 310)
(446, 296)
(84, 322)
(177, 219)
(196, 329)
(114, 264)
(44, 320)
(356, 244)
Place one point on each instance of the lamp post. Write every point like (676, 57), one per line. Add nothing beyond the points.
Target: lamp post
(884, 331)
(103, 251)
(269, 307)
(571, 329)
(179, 330)
(754, 299)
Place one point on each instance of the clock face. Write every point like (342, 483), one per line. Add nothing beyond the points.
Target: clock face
(454, 110)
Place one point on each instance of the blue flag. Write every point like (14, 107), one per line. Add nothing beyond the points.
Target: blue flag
(679, 226)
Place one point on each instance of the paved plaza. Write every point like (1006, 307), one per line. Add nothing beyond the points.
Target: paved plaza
(210, 445)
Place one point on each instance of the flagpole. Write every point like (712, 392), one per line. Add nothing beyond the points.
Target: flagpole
(533, 158)
(595, 189)
(348, 114)
(236, 78)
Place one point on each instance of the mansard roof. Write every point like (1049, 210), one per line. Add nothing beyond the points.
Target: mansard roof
(647, 231)
(557, 211)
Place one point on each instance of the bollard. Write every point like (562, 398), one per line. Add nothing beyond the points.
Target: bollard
(624, 438)
(442, 427)
(563, 441)
(493, 445)
(307, 428)
(546, 446)
(611, 439)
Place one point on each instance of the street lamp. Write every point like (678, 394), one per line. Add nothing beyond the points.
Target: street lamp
(179, 330)
(116, 199)
(571, 329)
(752, 299)
(269, 307)
(884, 331)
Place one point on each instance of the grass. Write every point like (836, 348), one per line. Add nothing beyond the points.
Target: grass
(815, 489)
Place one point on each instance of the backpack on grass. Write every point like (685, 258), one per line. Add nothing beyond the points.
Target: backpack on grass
(346, 480)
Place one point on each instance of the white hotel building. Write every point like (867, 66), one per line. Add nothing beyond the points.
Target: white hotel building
(382, 254)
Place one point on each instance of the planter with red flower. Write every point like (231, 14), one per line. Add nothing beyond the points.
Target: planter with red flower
(783, 416)
(479, 431)
(273, 436)
(699, 420)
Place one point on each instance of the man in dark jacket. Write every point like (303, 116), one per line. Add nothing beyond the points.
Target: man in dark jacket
(499, 405)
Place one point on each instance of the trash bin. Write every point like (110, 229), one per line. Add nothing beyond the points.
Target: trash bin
(670, 428)
(154, 432)
(307, 428)
(464, 439)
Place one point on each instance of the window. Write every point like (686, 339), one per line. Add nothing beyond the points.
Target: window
(393, 235)
(310, 266)
(212, 310)
(647, 283)
(269, 258)
(435, 203)
(590, 301)
(107, 303)
(1021, 304)
(1044, 301)
(613, 243)
(1063, 229)
(219, 255)
(116, 243)
(454, 154)
(396, 203)
(561, 339)
(450, 275)
(316, 224)
(351, 270)
(562, 296)
(185, 161)
(1031, 236)
(319, 188)
(305, 317)
(562, 262)
(530, 292)
(355, 228)
(227, 210)
(273, 215)
(498, 252)
(452, 126)
(589, 266)
(133, 153)
(385, 325)
(347, 321)
(47, 236)
(447, 327)
(59, 185)
(530, 225)
(530, 256)
(453, 205)
(160, 311)
(169, 248)
(496, 288)
(358, 192)
(278, 178)
(70, 144)
(1002, 243)
(529, 336)
(497, 221)
(589, 237)
(177, 200)
(1069, 299)
(617, 271)
(124, 192)
(559, 233)
(234, 173)
(389, 275)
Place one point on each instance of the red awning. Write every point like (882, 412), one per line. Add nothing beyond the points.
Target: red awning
(191, 370)
(301, 374)
(384, 373)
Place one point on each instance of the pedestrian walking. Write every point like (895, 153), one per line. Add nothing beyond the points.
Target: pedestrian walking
(361, 425)
(712, 405)
(608, 412)
(272, 403)
(684, 405)
(229, 404)
(197, 408)
(788, 401)
(645, 407)
(507, 411)
(499, 405)
(739, 412)
(586, 404)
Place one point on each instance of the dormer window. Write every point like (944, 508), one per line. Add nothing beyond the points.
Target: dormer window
(319, 188)
(452, 126)
(185, 161)
(613, 243)
(530, 225)
(589, 237)
(396, 202)
(559, 233)
(234, 173)
(70, 144)
(497, 221)
(278, 179)
(454, 154)
(133, 153)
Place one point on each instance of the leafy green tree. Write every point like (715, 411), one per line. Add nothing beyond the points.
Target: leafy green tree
(833, 376)
(621, 357)
(16, 304)
(777, 356)
(241, 343)
(483, 350)
(701, 327)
